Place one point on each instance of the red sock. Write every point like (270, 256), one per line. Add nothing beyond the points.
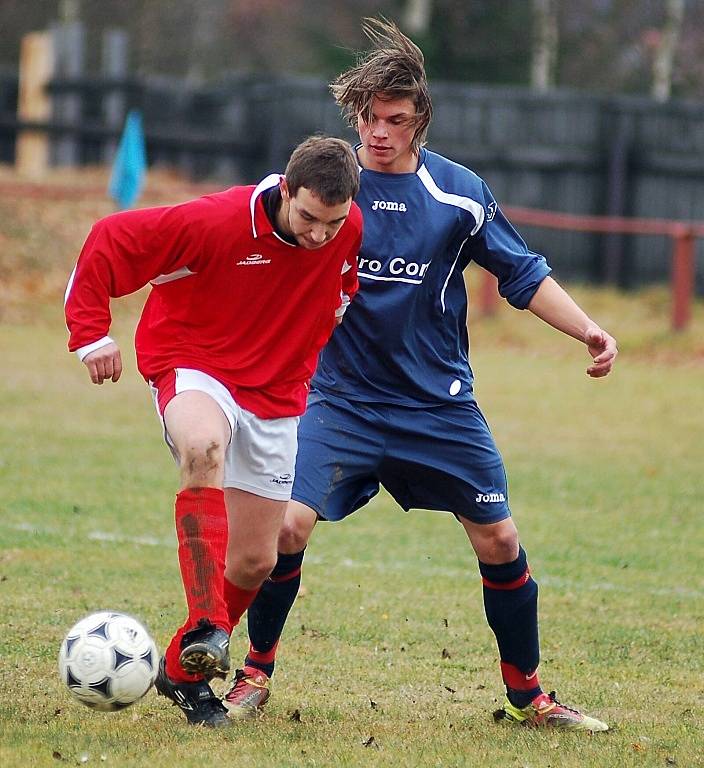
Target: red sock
(174, 670)
(263, 659)
(517, 680)
(237, 601)
(201, 528)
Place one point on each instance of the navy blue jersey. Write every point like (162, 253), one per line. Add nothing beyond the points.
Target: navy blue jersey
(404, 338)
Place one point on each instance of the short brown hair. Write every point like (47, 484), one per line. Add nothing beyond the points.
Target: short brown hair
(327, 167)
(393, 69)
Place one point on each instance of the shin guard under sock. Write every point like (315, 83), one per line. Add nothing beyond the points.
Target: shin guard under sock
(201, 529)
(511, 607)
(267, 614)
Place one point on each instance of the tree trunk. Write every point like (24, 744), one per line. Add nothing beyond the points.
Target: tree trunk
(416, 17)
(69, 11)
(545, 37)
(665, 53)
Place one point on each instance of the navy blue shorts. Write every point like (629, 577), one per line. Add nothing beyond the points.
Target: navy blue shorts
(441, 458)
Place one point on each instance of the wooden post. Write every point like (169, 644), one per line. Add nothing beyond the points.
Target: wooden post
(682, 278)
(34, 104)
(488, 294)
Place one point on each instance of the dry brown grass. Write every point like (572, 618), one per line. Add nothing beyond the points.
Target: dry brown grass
(43, 226)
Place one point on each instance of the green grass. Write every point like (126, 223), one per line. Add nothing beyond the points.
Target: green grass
(607, 490)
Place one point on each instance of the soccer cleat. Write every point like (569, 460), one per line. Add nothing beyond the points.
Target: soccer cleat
(248, 694)
(197, 700)
(205, 650)
(545, 711)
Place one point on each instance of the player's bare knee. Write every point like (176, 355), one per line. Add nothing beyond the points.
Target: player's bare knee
(251, 569)
(502, 543)
(200, 461)
(507, 546)
(293, 536)
(495, 543)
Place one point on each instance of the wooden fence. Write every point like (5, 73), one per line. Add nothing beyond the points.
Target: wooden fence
(567, 152)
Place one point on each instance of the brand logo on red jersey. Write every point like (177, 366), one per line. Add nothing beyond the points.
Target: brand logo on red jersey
(253, 260)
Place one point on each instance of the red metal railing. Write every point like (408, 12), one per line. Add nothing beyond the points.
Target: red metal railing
(683, 235)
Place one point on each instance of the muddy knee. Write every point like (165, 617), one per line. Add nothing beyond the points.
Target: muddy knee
(201, 462)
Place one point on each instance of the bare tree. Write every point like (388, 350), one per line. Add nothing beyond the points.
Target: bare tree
(206, 38)
(666, 50)
(545, 37)
(69, 10)
(416, 16)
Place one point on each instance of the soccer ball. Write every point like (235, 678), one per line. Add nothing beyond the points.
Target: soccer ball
(108, 661)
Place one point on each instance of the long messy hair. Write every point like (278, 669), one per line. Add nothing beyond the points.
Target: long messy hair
(394, 68)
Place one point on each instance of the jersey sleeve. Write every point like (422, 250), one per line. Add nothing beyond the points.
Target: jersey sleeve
(349, 280)
(122, 253)
(502, 251)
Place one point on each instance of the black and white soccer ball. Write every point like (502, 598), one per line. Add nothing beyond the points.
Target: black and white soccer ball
(108, 660)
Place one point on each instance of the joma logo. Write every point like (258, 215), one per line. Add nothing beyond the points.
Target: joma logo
(490, 498)
(388, 205)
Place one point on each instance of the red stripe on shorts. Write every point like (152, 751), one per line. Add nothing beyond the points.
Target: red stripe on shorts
(165, 386)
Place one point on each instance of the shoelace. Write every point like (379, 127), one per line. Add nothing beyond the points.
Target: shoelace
(241, 679)
(553, 698)
(241, 675)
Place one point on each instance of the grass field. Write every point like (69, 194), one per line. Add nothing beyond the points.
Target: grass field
(387, 659)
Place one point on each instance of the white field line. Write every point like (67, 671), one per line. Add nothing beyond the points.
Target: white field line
(425, 566)
(118, 538)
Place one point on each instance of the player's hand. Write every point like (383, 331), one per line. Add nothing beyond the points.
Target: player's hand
(104, 363)
(603, 350)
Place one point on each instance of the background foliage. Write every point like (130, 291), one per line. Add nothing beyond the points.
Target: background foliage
(604, 45)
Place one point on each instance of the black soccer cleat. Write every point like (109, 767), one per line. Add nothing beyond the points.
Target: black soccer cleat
(197, 700)
(205, 650)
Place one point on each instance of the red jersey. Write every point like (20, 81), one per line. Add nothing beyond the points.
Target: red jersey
(229, 297)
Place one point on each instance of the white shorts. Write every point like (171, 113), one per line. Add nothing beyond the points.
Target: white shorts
(261, 455)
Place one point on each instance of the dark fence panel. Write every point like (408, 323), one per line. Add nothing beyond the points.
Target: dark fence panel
(563, 151)
(8, 110)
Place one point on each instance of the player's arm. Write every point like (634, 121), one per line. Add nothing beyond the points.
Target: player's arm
(348, 279)
(122, 253)
(498, 247)
(524, 281)
(555, 306)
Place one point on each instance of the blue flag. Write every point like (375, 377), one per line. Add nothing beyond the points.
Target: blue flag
(129, 168)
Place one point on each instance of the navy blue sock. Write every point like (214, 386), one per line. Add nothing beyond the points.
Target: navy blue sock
(267, 614)
(511, 607)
